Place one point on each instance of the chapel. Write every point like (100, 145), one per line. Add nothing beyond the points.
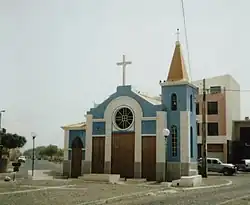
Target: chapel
(124, 134)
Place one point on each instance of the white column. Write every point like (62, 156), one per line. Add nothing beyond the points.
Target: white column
(66, 144)
(161, 124)
(184, 137)
(108, 135)
(88, 148)
(138, 136)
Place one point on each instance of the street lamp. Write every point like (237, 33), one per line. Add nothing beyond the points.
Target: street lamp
(33, 152)
(1, 146)
(1, 111)
(166, 133)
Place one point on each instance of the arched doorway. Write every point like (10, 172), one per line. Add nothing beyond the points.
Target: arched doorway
(76, 161)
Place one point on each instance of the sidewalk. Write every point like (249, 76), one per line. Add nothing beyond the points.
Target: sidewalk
(78, 192)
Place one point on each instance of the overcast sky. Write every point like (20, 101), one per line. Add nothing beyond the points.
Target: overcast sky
(58, 56)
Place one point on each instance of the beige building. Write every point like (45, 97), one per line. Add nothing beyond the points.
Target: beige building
(222, 108)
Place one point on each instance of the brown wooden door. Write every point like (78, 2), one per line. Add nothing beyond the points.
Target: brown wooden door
(76, 161)
(122, 154)
(149, 158)
(98, 153)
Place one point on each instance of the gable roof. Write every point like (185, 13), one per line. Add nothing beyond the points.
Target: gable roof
(152, 100)
(81, 125)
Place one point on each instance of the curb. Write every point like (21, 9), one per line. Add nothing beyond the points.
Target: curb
(229, 182)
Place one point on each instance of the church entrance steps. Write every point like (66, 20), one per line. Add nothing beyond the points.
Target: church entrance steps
(188, 181)
(110, 178)
(135, 181)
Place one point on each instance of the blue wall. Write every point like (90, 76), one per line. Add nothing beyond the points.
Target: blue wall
(77, 133)
(183, 93)
(98, 128)
(149, 110)
(173, 118)
(148, 127)
(192, 91)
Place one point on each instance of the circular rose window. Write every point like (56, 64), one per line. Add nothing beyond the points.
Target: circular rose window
(124, 118)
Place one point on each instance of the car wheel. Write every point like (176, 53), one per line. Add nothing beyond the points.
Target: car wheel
(228, 172)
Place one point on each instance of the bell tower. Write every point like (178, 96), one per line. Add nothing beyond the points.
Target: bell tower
(178, 98)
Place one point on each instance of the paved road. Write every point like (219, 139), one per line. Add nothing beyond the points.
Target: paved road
(49, 167)
(42, 165)
(237, 194)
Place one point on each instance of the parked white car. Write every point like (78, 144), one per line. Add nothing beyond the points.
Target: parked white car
(22, 159)
(215, 165)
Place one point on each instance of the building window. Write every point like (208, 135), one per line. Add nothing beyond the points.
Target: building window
(191, 143)
(174, 140)
(173, 101)
(212, 129)
(215, 89)
(198, 128)
(212, 108)
(197, 108)
(191, 103)
(124, 118)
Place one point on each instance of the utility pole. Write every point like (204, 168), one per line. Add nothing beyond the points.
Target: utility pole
(204, 132)
(1, 132)
(33, 153)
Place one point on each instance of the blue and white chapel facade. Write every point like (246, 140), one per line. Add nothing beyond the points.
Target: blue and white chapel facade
(124, 134)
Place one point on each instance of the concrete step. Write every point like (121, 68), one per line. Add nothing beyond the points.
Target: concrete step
(188, 181)
(110, 178)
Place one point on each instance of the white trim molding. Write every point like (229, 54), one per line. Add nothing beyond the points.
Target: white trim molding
(66, 144)
(108, 116)
(213, 139)
(148, 135)
(88, 138)
(184, 137)
(99, 120)
(149, 118)
(98, 135)
(161, 124)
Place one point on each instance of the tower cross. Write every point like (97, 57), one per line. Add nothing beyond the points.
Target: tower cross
(124, 63)
(178, 34)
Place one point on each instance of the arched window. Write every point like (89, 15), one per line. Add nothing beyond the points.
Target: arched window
(191, 143)
(173, 101)
(174, 140)
(191, 103)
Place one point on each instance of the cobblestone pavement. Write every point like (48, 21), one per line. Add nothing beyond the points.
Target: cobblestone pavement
(77, 192)
(236, 194)
(63, 192)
